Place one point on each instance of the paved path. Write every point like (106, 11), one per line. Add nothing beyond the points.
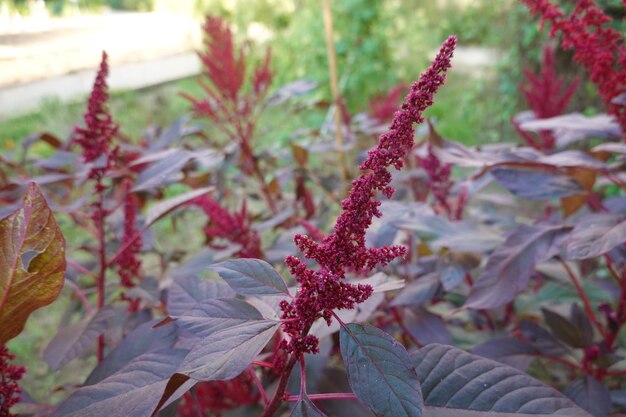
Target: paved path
(60, 58)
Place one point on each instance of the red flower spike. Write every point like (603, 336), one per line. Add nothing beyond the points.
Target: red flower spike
(547, 96)
(222, 65)
(322, 291)
(129, 262)
(598, 47)
(235, 228)
(10, 376)
(96, 137)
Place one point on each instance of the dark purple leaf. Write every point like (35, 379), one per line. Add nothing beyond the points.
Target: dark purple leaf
(581, 321)
(564, 330)
(166, 170)
(450, 273)
(251, 277)
(174, 133)
(427, 327)
(133, 391)
(142, 340)
(619, 398)
(231, 334)
(418, 292)
(212, 315)
(596, 234)
(510, 266)
(187, 290)
(501, 347)
(536, 184)
(541, 339)
(157, 211)
(591, 395)
(70, 342)
(380, 373)
(458, 384)
(305, 408)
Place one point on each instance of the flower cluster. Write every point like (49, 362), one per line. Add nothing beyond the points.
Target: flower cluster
(547, 96)
(95, 138)
(235, 228)
(322, 290)
(598, 47)
(9, 378)
(128, 262)
(438, 183)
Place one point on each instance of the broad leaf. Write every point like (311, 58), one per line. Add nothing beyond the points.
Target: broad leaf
(32, 262)
(418, 292)
(426, 327)
(231, 334)
(251, 277)
(595, 235)
(510, 266)
(71, 341)
(458, 384)
(143, 339)
(536, 184)
(591, 395)
(380, 372)
(305, 408)
(168, 169)
(187, 290)
(209, 316)
(133, 391)
(541, 339)
(566, 331)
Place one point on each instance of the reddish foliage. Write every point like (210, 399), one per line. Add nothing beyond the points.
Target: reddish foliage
(383, 107)
(236, 227)
(599, 48)
(322, 291)
(214, 397)
(547, 96)
(128, 262)
(9, 379)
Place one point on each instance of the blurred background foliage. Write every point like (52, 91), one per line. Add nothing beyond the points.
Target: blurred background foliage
(379, 44)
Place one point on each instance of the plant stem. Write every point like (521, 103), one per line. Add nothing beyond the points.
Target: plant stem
(258, 384)
(583, 297)
(334, 85)
(319, 397)
(99, 220)
(280, 390)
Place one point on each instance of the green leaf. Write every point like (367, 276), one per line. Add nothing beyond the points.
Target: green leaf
(32, 262)
(251, 277)
(458, 384)
(380, 372)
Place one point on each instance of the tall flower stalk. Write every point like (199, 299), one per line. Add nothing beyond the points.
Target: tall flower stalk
(324, 289)
(96, 141)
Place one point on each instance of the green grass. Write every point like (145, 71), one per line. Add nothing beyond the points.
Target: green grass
(133, 110)
(466, 109)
